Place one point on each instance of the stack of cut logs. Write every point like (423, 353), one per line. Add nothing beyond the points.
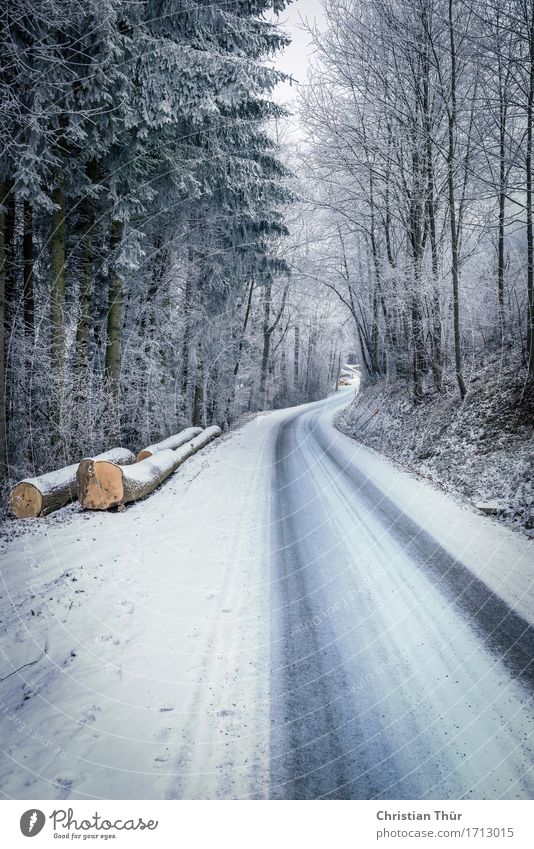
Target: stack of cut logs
(108, 480)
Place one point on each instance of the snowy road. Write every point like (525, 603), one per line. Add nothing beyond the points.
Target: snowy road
(387, 677)
(290, 616)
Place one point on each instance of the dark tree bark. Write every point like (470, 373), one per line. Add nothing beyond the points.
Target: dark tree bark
(8, 201)
(268, 330)
(57, 296)
(503, 188)
(186, 349)
(452, 112)
(83, 328)
(378, 358)
(57, 311)
(296, 354)
(3, 417)
(529, 210)
(199, 413)
(416, 204)
(28, 293)
(431, 213)
(266, 342)
(338, 374)
(244, 330)
(115, 303)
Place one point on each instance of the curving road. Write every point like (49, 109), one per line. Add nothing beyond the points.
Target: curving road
(396, 672)
(289, 616)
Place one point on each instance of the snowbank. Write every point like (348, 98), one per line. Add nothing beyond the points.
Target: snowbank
(482, 449)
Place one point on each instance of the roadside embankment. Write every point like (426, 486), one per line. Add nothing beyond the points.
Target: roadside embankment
(482, 449)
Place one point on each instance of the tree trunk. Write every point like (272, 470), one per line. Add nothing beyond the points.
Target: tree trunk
(147, 348)
(502, 206)
(186, 345)
(57, 312)
(434, 301)
(311, 348)
(28, 303)
(42, 495)
(283, 379)
(296, 354)
(452, 214)
(83, 328)
(375, 338)
(212, 392)
(418, 348)
(530, 224)
(8, 201)
(244, 330)
(266, 344)
(114, 324)
(57, 296)
(375, 329)
(416, 238)
(28, 294)
(3, 418)
(198, 394)
(103, 484)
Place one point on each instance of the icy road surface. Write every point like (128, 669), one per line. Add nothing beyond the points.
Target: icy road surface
(290, 616)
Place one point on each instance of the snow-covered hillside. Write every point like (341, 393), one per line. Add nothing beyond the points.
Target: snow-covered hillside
(483, 449)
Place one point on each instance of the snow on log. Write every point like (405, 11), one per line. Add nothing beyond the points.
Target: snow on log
(104, 484)
(490, 508)
(42, 495)
(173, 442)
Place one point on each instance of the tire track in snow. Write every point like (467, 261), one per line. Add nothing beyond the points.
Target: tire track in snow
(447, 719)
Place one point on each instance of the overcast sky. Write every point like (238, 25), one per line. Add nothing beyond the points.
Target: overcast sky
(294, 59)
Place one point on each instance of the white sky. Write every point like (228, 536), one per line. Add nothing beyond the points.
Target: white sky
(295, 59)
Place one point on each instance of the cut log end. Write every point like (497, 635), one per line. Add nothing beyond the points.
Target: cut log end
(25, 501)
(42, 495)
(100, 484)
(143, 455)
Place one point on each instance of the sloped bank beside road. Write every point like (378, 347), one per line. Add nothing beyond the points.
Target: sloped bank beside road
(482, 449)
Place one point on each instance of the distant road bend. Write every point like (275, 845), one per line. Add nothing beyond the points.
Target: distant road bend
(396, 672)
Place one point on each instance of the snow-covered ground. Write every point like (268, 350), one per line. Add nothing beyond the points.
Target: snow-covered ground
(155, 623)
(175, 657)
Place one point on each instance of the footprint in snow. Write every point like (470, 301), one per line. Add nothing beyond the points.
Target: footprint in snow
(64, 786)
(89, 715)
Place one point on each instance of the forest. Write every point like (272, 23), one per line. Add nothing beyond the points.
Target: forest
(170, 255)
(267, 427)
(142, 219)
(420, 119)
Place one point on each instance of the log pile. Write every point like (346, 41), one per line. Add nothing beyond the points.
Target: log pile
(173, 442)
(42, 495)
(103, 484)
